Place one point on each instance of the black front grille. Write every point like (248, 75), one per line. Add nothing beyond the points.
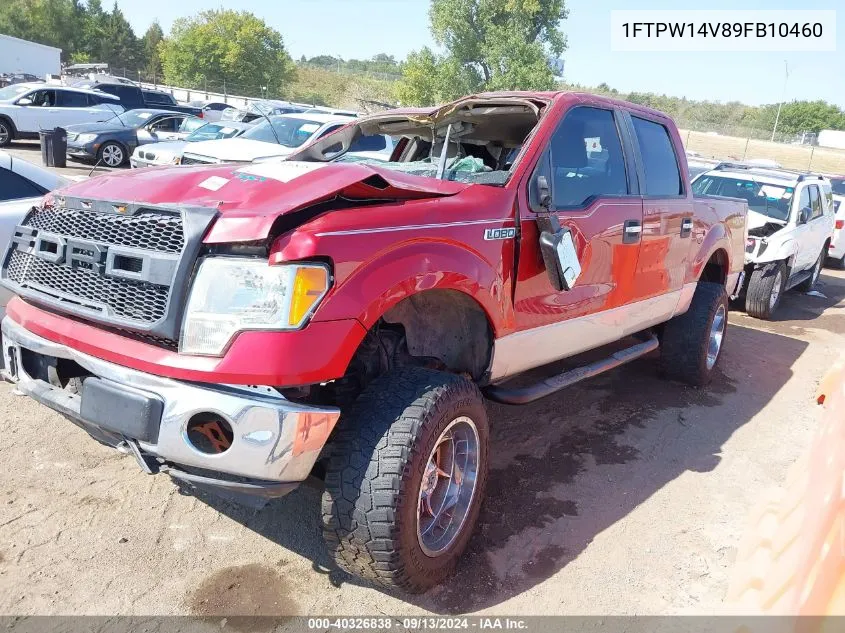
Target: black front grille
(149, 231)
(187, 160)
(129, 300)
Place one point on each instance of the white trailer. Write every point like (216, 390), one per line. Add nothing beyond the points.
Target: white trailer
(21, 56)
(832, 138)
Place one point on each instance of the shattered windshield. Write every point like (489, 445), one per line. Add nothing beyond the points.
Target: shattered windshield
(477, 140)
(468, 169)
(768, 199)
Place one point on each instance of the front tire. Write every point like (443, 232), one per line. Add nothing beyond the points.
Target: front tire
(111, 154)
(692, 343)
(406, 477)
(765, 289)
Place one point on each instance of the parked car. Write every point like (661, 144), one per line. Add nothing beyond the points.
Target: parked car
(320, 110)
(790, 222)
(259, 109)
(18, 78)
(113, 141)
(253, 325)
(22, 184)
(278, 136)
(170, 152)
(836, 250)
(26, 109)
(133, 97)
(211, 110)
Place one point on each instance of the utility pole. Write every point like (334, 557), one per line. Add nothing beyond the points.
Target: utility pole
(780, 105)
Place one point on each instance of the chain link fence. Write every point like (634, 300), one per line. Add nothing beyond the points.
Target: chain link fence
(735, 142)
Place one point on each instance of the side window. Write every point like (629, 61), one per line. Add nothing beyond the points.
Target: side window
(804, 200)
(166, 124)
(371, 143)
(191, 124)
(68, 99)
(662, 176)
(15, 187)
(44, 98)
(827, 192)
(586, 158)
(815, 202)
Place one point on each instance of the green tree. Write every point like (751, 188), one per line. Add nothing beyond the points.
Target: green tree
(150, 47)
(119, 48)
(226, 47)
(489, 45)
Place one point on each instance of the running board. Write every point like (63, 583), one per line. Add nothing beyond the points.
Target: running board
(524, 395)
(798, 278)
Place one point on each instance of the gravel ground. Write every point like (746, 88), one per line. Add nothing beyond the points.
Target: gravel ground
(623, 495)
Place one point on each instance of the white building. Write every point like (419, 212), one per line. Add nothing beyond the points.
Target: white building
(832, 138)
(21, 56)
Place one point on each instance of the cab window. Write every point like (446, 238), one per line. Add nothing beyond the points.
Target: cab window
(662, 176)
(586, 158)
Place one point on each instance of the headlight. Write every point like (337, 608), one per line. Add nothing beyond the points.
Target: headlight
(84, 139)
(230, 295)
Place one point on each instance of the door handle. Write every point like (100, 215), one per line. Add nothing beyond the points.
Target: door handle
(686, 227)
(631, 231)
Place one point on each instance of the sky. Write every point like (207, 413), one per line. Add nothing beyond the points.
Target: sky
(362, 28)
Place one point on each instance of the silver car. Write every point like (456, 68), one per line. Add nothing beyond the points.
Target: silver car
(22, 185)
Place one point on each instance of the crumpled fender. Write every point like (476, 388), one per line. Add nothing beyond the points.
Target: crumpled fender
(778, 251)
(413, 267)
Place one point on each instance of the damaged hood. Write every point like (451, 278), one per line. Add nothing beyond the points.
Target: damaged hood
(757, 220)
(250, 198)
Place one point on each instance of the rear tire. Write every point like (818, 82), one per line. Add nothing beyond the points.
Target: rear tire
(380, 485)
(692, 343)
(765, 289)
(7, 132)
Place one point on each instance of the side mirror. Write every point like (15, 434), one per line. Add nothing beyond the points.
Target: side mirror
(804, 215)
(559, 256)
(544, 193)
(25, 101)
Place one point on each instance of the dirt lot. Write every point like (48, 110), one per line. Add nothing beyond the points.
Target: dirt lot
(799, 157)
(624, 495)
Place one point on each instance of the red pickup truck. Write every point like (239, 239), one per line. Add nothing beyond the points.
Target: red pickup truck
(244, 327)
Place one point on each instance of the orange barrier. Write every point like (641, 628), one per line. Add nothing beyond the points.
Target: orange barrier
(792, 558)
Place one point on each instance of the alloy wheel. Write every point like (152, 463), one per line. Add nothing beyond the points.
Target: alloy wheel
(448, 485)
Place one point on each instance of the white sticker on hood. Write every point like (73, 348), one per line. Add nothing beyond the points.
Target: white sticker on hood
(282, 170)
(213, 183)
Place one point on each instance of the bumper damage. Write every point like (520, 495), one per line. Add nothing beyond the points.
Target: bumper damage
(261, 445)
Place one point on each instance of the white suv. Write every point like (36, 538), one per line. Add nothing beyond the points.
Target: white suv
(836, 252)
(26, 109)
(790, 224)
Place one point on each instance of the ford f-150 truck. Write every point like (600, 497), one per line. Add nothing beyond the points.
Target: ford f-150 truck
(243, 328)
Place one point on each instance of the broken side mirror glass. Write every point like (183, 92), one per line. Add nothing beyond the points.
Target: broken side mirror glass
(559, 253)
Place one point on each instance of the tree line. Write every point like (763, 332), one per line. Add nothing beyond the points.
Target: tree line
(483, 45)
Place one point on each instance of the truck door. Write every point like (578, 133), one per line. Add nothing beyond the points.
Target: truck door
(667, 212)
(589, 177)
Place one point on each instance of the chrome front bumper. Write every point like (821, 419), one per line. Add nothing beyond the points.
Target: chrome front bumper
(275, 441)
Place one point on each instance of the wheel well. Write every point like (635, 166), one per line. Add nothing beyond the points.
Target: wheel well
(716, 268)
(447, 325)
